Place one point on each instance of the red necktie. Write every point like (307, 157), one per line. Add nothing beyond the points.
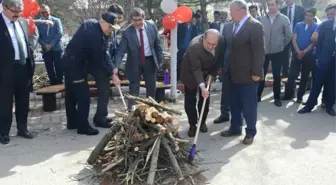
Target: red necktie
(142, 48)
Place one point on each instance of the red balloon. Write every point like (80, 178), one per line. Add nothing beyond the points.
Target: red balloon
(169, 21)
(30, 8)
(31, 25)
(183, 14)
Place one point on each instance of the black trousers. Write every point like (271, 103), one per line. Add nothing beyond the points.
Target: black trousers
(276, 59)
(77, 99)
(306, 65)
(190, 100)
(286, 57)
(225, 97)
(103, 86)
(180, 54)
(53, 64)
(148, 70)
(14, 82)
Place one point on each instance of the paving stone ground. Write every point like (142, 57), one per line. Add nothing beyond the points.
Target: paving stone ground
(289, 149)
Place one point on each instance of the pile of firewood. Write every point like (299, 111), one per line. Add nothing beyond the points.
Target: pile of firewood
(41, 81)
(143, 147)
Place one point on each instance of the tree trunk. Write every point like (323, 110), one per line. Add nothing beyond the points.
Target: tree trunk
(203, 4)
(149, 9)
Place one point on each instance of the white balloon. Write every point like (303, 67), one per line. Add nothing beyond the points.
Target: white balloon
(168, 6)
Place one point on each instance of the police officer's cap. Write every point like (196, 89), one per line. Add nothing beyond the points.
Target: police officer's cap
(112, 19)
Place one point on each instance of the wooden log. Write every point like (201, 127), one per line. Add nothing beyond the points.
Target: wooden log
(154, 161)
(156, 105)
(111, 165)
(120, 114)
(102, 144)
(173, 160)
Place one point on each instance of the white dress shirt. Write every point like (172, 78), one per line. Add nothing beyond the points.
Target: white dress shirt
(221, 27)
(11, 31)
(291, 19)
(147, 49)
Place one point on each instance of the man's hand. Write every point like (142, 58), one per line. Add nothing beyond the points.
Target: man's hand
(220, 71)
(255, 78)
(50, 23)
(48, 47)
(300, 54)
(314, 37)
(205, 93)
(115, 80)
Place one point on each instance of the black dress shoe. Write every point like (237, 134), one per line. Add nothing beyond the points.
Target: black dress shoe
(192, 131)
(71, 126)
(204, 128)
(221, 119)
(248, 140)
(103, 123)
(304, 110)
(88, 131)
(109, 119)
(331, 112)
(277, 103)
(4, 139)
(229, 133)
(299, 100)
(25, 134)
(323, 105)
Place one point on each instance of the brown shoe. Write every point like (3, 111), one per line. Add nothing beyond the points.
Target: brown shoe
(228, 133)
(248, 140)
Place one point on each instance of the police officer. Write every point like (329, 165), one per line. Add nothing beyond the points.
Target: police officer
(88, 49)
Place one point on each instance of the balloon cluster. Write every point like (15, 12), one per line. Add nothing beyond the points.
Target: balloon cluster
(174, 14)
(30, 9)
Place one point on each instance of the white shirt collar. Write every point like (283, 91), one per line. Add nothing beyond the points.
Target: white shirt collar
(242, 22)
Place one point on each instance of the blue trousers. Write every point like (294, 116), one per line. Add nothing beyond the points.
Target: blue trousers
(322, 76)
(53, 64)
(244, 103)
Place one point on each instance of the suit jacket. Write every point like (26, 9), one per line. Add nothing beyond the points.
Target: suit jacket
(299, 14)
(247, 54)
(7, 51)
(227, 44)
(197, 63)
(181, 34)
(325, 46)
(129, 44)
(215, 25)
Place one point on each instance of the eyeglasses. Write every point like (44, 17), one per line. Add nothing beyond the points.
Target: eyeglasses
(138, 20)
(13, 11)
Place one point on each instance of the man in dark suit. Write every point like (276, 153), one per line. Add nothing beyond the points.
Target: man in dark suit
(185, 33)
(16, 69)
(325, 68)
(144, 54)
(227, 34)
(199, 61)
(215, 24)
(295, 14)
(246, 70)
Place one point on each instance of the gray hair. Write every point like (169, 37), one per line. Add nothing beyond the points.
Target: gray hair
(211, 31)
(44, 6)
(13, 4)
(240, 4)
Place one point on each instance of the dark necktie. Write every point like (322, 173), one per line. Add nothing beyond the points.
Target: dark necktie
(22, 59)
(142, 47)
(236, 25)
(290, 14)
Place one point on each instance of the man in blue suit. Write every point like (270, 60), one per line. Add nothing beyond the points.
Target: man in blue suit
(50, 40)
(325, 52)
(141, 42)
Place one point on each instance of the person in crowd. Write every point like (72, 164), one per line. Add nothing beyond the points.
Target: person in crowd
(277, 35)
(245, 71)
(102, 80)
(330, 13)
(227, 34)
(88, 49)
(304, 59)
(295, 14)
(215, 23)
(16, 71)
(253, 9)
(325, 68)
(51, 44)
(185, 33)
(200, 61)
(144, 54)
(199, 27)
